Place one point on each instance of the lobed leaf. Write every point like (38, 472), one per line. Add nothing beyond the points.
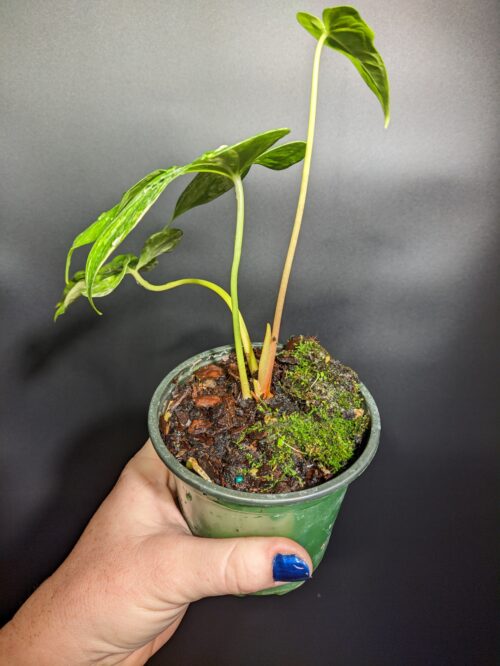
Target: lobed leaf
(348, 33)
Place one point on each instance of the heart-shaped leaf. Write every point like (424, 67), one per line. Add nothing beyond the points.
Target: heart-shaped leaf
(157, 244)
(348, 33)
(107, 280)
(132, 209)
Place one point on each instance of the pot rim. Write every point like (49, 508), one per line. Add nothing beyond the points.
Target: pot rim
(239, 496)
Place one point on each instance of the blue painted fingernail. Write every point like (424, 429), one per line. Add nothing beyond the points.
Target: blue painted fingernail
(289, 568)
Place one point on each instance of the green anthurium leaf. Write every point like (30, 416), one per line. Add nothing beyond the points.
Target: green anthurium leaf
(159, 243)
(348, 33)
(134, 205)
(73, 289)
(207, 186)
(90, 234)
(107, 280)
(238, 158)
(283, 156)
(311, 23)
(117, 264)
(204, 187)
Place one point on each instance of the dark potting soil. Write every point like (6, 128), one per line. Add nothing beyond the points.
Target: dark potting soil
(307, 433)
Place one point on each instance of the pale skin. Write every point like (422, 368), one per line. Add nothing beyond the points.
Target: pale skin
(123, 590)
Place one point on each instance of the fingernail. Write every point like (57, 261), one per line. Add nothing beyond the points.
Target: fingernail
(288, 568)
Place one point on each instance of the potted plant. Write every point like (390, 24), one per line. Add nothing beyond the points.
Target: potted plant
(261, 439)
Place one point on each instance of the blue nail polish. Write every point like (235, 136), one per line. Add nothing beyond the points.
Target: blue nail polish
(289, 568)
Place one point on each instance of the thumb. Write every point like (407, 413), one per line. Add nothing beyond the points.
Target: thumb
(212, 567)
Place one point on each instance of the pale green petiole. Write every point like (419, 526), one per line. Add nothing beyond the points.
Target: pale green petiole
(306, 168)
(238, 243)
(245, 338)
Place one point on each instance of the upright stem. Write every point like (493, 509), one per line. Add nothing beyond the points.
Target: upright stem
(247, 345)
(238, 243)
(280, 301)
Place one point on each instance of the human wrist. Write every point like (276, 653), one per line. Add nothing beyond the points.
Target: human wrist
(38, 634)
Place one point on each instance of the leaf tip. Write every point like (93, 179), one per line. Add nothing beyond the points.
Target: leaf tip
(93, 305)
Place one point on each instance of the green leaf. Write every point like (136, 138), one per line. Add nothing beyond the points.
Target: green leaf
(206, 187)
(134, 205)
(74, 289)
(90, 234)
(238, 158)
(311, 23)
(348, 33)
(159, 243)
(203, 188)
(283, 156)
(107, 280)
(216, 170)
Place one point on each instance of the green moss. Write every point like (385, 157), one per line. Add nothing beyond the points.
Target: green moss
(324, 432)
(316, 379)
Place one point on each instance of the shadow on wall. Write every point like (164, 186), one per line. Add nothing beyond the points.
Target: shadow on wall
(133, 324)
(39, 350)
(92, 464)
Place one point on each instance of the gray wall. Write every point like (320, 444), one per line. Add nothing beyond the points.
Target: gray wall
(396, 273)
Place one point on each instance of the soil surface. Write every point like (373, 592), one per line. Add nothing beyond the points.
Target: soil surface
(211, 430)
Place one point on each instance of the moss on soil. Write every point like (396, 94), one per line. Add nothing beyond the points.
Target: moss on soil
(325, 432)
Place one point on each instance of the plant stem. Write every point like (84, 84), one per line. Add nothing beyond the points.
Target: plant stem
(280, 301)
(238, 243)
(247, 345)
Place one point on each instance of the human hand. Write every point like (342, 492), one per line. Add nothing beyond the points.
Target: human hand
(124, 588)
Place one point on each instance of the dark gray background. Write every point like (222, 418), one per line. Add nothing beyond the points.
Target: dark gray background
(396, 273)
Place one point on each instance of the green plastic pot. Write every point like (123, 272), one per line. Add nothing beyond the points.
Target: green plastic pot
(306, 516)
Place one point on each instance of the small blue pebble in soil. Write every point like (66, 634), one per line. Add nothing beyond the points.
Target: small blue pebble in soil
(238, 479)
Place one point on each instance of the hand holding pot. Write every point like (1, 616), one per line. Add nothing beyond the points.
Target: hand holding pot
(123, 590)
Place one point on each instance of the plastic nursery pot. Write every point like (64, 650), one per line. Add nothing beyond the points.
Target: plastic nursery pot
(307, 516)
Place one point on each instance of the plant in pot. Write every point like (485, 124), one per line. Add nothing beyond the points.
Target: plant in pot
(261, 439)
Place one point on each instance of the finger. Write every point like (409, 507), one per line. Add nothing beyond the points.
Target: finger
(210, 567)
(147, 486)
